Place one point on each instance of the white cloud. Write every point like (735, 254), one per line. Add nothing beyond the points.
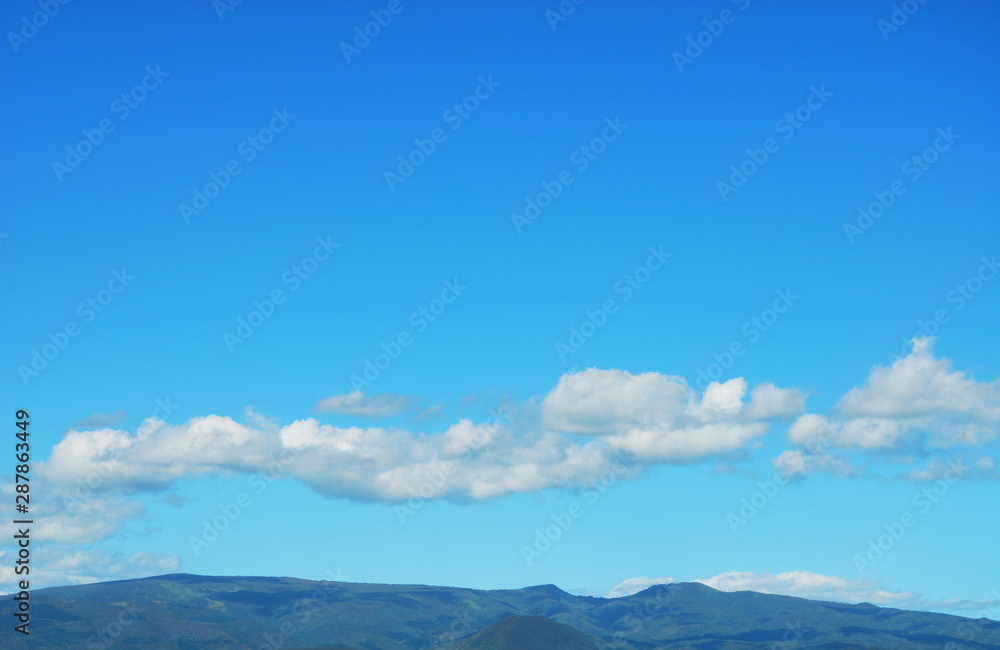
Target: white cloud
(811, 428)
(919, 395)
(355, 403)
(811, 585)
(919, 401)
(600, 401)
(61, 565)
(815, 586)
(791, 463)
(88, 521)
(659, 417)
(835, 465)
(938, 469)
(655, 417)
(464, 436)
(634, 586)
(920, 384)
(74, 513)
(871, 433)
(768, 401)
(158, 454)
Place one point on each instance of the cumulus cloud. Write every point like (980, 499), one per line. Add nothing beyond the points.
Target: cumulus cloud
(791, 463)
(768, 401)
(812, 430)
(590, 419)
(916, 407)
(355, 403)
(919, 395)
(74, 513)
(94, 483)
(158, 454)
(920, 384)
(659, 417)
(634, 586)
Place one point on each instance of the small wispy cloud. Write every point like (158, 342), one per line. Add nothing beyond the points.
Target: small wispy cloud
(435, 411)
(100, 420)
(355, 403)
(634, 586)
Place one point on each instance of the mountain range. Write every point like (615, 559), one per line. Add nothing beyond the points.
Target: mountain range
(196, 612)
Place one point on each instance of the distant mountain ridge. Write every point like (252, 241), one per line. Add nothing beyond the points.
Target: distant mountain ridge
(188, 611)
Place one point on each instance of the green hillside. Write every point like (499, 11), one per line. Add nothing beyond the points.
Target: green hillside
(187, 611)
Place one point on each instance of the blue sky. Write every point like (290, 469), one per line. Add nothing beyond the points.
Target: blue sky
(630, 137)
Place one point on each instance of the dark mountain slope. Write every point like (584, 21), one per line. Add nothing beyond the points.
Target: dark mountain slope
(528, 633)
(187, 611)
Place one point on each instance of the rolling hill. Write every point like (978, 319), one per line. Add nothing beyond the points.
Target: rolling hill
(188, 611)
